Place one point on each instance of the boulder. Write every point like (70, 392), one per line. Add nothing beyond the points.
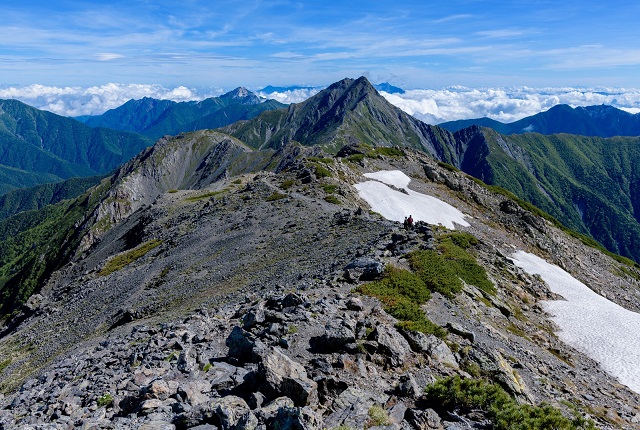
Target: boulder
(363, 269)
(284, 377)
(234, 414)
(350, 409)
(244, 346)
(391, 344)
(423, 419)
(297, 419)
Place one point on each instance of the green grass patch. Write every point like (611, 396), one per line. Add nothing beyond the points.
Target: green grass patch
(455, 393)
(378, 416)
(322, 172)
(330, 188)
(332, 199)
(119, 261)
(401, 293)
(105, 400)
(355, 158)
(285, 185)
(276, 196)
(442, 270)
(4, 364)
(387, 151)
(172, 191)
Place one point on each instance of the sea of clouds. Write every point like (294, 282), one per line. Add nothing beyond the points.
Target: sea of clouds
(430, 105)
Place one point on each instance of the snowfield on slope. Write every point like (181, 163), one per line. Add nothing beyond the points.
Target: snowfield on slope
(603, 330)
(395, 205)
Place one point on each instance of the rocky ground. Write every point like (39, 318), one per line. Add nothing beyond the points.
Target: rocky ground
(275, 335)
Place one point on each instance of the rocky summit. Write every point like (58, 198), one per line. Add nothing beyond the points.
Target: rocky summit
(214, 286)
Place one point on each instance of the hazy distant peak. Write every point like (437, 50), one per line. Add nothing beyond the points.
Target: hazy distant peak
(242, 94)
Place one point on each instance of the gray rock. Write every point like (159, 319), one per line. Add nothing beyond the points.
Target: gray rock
(234, 413)
(284, 377)
(423, 419)
(392, 344)
(363, 269)
(432, 346)
(254, 316)
(407, 386)
(270, 410)
(461, 331)
(338, 333)
(244, 346)
(351, 409)
(297, 419)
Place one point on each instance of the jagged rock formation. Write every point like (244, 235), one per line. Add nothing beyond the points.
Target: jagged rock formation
(228, 300)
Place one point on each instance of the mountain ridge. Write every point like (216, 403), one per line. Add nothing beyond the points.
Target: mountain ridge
(156, 118)
(596, 120)
(45, 147)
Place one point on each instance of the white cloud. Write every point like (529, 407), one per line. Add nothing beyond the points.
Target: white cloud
(291, 96)
(505, 104)
(108, 56)
(430, 105)
(76, 101)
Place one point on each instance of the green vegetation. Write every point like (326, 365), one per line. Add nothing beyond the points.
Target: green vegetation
(119, 261)
(332, 199)
(587, 240)
(506, 414)
(276, 196)
(329, 188)
(105, 400)
(4, 364)
(401, 293)
(385, 151)
(285, 185)
(442, 270)
(378, 416)
(205, 195)
(355, 158)
(35, 243)
(172, 191)
(590, 184)
(206, 367)
(292, 329)
(321, 172)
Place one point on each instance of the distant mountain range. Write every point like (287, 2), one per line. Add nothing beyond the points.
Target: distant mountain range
(156, 118)
(38, 147)
(601, 120)
(591, 184)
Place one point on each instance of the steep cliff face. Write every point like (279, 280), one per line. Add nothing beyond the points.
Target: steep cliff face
(224, 290)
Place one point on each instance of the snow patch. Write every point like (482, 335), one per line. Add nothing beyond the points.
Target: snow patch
(601, 329)
(395, 205)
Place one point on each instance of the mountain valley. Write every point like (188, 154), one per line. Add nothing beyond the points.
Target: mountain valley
(238, 278)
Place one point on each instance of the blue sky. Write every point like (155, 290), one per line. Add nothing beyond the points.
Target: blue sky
(255, 43)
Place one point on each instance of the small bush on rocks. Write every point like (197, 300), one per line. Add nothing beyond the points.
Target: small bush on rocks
(105, 400)
(506, 414)
(402, 292)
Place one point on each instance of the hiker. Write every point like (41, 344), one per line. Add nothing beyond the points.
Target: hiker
(406, 223)
(410, 222)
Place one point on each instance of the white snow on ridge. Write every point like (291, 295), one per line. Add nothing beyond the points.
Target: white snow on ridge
(395, 205)
(603, 330)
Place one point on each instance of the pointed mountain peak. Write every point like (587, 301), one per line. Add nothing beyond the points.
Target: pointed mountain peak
(242, 95)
